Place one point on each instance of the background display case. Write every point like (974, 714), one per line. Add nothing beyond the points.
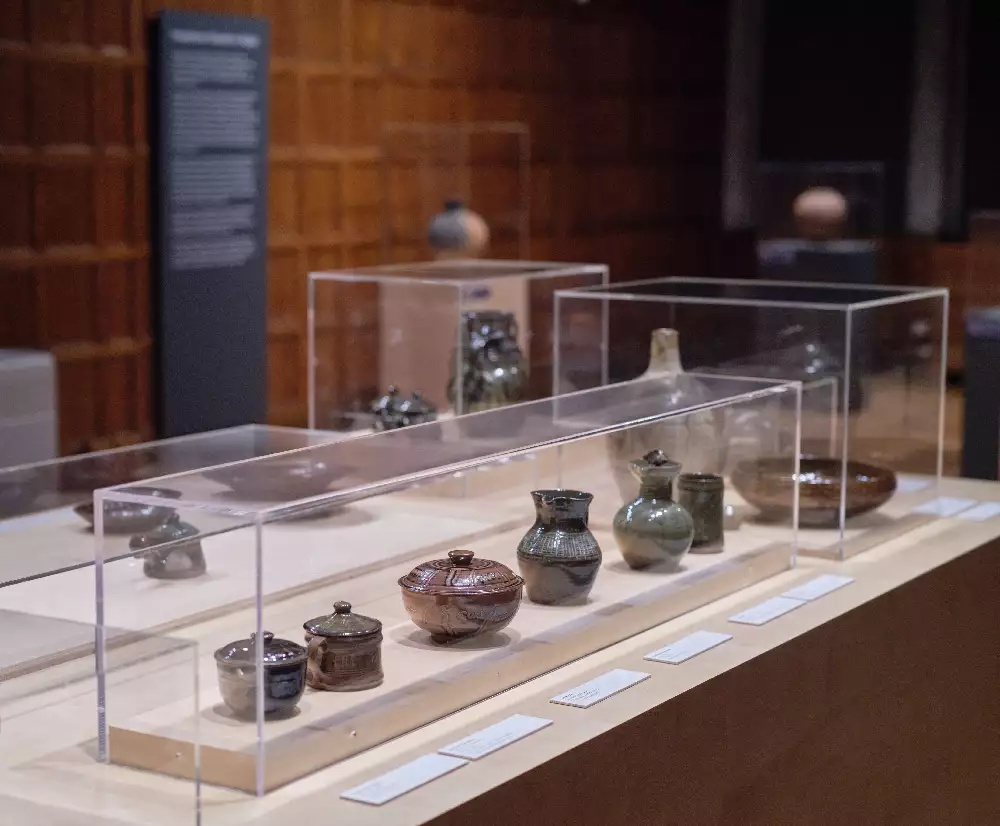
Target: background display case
(444, 329)
(46, 508)
(425, 165)
(50, 753)
(871, 359)
(340, 529)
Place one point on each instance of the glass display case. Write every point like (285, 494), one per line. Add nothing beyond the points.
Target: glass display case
(820, 221)
(344, 594)
(432, 339)
(461, 175)
(872, 363)
(49, 722)
(46, 509)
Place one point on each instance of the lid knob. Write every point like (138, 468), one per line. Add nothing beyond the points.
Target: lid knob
(657, 458)
(268, 636)
(461, 557)
(342, 607)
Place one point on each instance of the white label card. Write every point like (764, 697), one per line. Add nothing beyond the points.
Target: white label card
(687, 647)
(911, 484)
(600, 688)
(488, 740)
(945, 506)
(819, 587)
(766, 611)
(981, 512)
(406, 778)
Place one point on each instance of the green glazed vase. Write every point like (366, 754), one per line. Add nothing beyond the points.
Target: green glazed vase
(653, 530)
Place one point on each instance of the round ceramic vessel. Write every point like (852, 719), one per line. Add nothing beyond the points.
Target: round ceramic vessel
(284, 675)
(181, 558)
(461, 596)
(493, 370)
(768, 485)
(131, 517)
(345, 650)
(701, 495)
(653, 530)
(559, 557)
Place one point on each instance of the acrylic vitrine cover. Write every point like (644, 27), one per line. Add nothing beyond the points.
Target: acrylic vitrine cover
(432, 340)
(55, 767)
(871, 360)
(47, 512)
(344, 594)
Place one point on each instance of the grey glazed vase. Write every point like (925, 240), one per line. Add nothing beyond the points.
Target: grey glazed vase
(653, 530)
(559, 557)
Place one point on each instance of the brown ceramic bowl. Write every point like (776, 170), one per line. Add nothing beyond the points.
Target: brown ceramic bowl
(460, 597)
(273, 480)
(767, 485)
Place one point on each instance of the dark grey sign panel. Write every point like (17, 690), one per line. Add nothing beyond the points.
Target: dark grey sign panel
(209, 185)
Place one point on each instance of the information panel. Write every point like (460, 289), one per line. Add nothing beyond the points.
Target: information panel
(209, 179)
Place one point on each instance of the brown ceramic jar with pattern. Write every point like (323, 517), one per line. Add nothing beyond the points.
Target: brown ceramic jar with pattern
(345, 651)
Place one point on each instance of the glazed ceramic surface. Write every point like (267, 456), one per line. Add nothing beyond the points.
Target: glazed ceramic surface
(277, 479)
(701, 494)
(653, 530)
(284, 675)
(493, 369)
(699, 437)
(170, 551)
(458, 232)
(461, 596)
(559, 557)
(345, 650)
(768, 485)
(394, 410)
(131, 517)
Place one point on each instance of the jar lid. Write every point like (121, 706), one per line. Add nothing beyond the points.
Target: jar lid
(276, 651)
(343, 623)
(461, 573)
(655, 465)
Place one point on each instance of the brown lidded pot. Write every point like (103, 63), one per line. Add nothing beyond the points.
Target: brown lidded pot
(461, 596)
(345, 650)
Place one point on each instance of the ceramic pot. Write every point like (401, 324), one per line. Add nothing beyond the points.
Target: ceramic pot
(345, 651)
(284, 675)
(461, 596)
(131, 517)
(653, 529)
(458, 232)
(699, 437)
(276, 479)
(701, 494)
(559, 557)
(394, 410)
(769, 485)
(183, 557)
(492, 366)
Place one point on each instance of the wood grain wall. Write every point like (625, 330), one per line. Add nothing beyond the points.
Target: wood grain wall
(624, 102)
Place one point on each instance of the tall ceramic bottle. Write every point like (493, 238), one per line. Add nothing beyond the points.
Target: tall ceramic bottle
(653, 529)
(697, 437)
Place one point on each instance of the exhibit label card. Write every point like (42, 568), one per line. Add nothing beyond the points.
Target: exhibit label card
(600, 688)
(766, 611)
(981, 512)
(406, 778)
(687, 647)
(490, 739)
(818, 587)
(945, 506)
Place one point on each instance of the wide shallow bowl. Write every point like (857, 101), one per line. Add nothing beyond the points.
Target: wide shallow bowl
(277, 479)
(768, 485)
(132, 517)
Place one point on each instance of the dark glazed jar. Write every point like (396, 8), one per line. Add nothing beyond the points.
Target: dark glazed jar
(345, 651)
(170, 551)
(284, 675)
(559, 557)
(701, 494)
(653, 530)
(461, 596)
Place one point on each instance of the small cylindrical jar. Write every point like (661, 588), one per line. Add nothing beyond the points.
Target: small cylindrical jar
(701, 494)
(345, 651)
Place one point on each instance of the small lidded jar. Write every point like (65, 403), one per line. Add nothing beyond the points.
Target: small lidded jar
(345, 650)
(284, 675)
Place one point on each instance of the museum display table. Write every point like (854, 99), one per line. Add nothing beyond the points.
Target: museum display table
(876, 702)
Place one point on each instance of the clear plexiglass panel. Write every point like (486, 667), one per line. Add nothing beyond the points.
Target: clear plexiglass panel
(871, 359)
(432, 340)
(54, 744)
(272, 547)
